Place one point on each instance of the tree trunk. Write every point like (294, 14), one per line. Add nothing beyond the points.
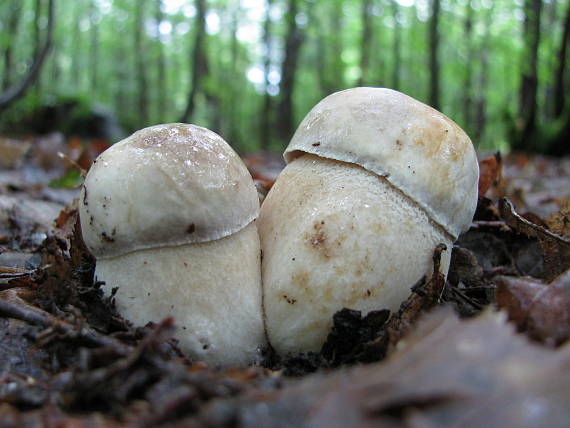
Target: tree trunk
(17, 90)
(365, 41)
(12, 29)
(141, 64)
(266, 112)
(322, 67)
(559, 86)
(397, 46)
(293, 41)
(122, 83)
(76, 49)
(161, 85)
(468, 83)
(55, 73)
(330, 67)
(199, 59)
(94, 46)
(529, 78)
(481, 99)
(233, 109)
(549, 14)
(37, 89)
(434, 54)
(337, 64)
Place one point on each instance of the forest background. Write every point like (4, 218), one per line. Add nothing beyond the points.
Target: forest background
(251, 69)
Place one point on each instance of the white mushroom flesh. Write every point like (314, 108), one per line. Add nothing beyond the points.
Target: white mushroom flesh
(213, 289)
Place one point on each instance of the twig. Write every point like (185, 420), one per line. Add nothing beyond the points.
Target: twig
(13, 306)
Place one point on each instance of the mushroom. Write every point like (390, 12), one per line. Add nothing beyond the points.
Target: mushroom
(169, 215)
(374, 181)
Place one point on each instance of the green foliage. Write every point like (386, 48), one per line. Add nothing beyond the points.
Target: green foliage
(71, 180)
(94, 59)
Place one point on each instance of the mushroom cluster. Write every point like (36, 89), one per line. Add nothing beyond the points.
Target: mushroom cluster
(169, 214)
(374, 181)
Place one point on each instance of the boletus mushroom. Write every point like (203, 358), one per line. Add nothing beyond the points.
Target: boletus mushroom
(374, 181)
(169, 215)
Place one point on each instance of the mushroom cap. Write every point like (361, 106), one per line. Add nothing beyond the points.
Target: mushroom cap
(417, 149)
(165, 185)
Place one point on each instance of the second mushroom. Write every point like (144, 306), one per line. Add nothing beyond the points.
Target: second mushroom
(375, 181)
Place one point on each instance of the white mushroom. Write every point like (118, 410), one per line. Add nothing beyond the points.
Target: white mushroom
(169, 214)
(375, 181)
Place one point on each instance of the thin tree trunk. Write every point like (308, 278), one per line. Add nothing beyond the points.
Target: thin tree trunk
(141, 64)
(468, 83)
(330, 67)
(293, 41)
(234, 109)
(76, 49)
(37, 89)
(549, 14)
(55, 77)
(559, 87)
(397, 47)
(434, 54)
(19, 89)
(266, 112)
(12, 30)
(322, 67)
(199, 59)
(365, 41)
(161, 84)
(337, 64)
(94, 46)
(122, 83)
(37, 26)
(529, 78)
(481, 100)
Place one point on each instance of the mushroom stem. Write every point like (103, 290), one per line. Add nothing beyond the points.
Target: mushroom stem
(222, 326)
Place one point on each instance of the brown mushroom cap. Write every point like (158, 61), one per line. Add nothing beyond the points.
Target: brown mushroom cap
(417, 149)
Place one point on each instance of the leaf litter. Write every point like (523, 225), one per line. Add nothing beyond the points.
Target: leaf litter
(447, 357)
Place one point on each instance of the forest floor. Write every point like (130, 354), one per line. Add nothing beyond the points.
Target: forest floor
(486, 347)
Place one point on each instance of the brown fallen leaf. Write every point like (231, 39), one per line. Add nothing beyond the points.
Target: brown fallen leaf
(425, 296)
(52, 416)
(447, 372)
(490, 174)
(555, 248)
(559, 222)
(12, 152)
(541, 310)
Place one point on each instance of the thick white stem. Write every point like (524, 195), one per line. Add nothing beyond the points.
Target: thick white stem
(212, 290)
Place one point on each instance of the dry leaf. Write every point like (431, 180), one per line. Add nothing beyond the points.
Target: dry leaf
(490, 173)
(559, 222)
(541, 310)
(425, 296)
(452, 373)
(555, 248)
